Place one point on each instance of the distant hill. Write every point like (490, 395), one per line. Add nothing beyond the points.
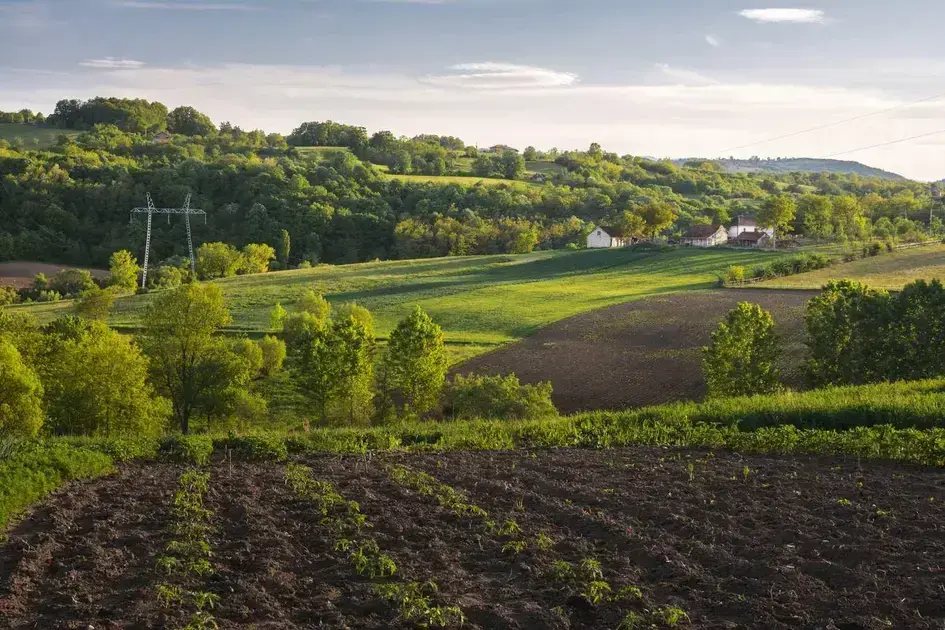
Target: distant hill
(804, 165)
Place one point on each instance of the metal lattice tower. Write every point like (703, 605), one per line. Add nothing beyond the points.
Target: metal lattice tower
(150, 210)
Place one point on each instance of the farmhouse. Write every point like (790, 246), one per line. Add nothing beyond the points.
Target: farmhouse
(162, 138)
(705, 236)
(751, 239)
(603, 236)
(746, 223)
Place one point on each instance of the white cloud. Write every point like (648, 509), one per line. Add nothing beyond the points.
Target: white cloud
(490, 75)
(683, 76)
(187, 5)
(804, 16)
(111, 63)
(713, 41)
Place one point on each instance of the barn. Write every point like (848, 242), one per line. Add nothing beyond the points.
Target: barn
(608, 236)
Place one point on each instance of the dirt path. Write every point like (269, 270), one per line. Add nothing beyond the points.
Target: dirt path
(646, 352)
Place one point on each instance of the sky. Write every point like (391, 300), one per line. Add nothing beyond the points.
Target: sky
(660, 78)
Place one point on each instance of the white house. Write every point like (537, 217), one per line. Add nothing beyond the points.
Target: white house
(746, 223)
(705, 236)
(603, 237)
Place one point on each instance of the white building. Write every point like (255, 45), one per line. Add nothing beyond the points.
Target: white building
(603, 237)
(746, 223)
(705, 236)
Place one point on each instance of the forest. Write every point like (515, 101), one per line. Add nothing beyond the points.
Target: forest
(70, 203)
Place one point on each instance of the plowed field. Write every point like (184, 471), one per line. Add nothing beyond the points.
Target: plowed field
(727, 541)
(646, 352)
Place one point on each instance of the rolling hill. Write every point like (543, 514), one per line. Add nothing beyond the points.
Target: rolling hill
(803, 165)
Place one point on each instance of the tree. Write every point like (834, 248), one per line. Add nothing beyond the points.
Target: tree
(847, 334)
(658, 215)
(217, 260)
(95, 303)
(251, 354)
(415, 364)
(71, 282)
(285, 247)
(917, 332)
(314, 303)
(352, 352)
(315, 366)
(21, 394)
(848, 217)
(530, 153)
(777, 213)
(512, 165)
(124, 269)
(179, 339)
(741, 358)
(816, 213)
(256, 258)
(96, 384)
(188, 121)
(363, 315)
(277, 317)
(273, 354)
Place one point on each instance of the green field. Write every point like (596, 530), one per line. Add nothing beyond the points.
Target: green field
(886, 271)
(480, 301)
(33, 137)
(544, 167)
(456, 179)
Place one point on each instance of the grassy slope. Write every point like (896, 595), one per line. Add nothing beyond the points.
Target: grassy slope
(887, 271)
(457, 179)
(479, 300)
(44, 137)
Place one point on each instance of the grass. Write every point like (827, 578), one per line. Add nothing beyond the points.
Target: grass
(33, 137)
(480, 301)
(544, 167)
(456, 179)
(887, 271)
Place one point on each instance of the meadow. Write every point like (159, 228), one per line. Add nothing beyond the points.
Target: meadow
(480, 301)
(888, 271)
(33, 137)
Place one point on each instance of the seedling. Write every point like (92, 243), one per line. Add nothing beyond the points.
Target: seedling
(844, 502)
(514, 546)
(596, 591)
(692, 472)
(544, 542)
(204, 600)
(628, 594)
(167, 595)
(671, 615)
(632, 621)
(561, 570)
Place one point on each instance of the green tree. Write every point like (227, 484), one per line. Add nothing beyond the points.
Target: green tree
(352, 352)
(848, 334)
(96, 384)
(251, 354)
(21, 394)
(916, 337)
(415, 364)
(256, 258)
(224, 376)
(848, 217)
(314, 303)
(363, 315)
(70, 282)
(273, 354)
(94, 303)
(816, 214)
(217, 260)
(315, 367)
(741, 358)
(180, 336)
(777, 212)
(277, 317)
(285, 247)
(657, 215)
(188, 121)
(124, 269)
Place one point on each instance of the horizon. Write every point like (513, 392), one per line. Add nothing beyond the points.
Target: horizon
(678, 81)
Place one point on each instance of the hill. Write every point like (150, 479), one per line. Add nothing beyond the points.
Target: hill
(480, 301)
(805, 165)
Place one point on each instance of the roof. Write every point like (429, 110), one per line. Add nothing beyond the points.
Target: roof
(702, 231)
(615, 232)
(745, 219)
(751, 236)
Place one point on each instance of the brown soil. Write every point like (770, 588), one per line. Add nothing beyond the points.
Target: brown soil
(20, 274)
(735, 541)
(646, 352)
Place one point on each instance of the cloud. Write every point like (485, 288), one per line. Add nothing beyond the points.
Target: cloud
(683, 76)
(802, 16)
(713, 41)
(111, 63)
(187, 5)
(490, 76)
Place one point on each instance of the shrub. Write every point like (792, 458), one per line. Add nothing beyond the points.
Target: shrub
(94, 303)
(741, 357)
(257, 447)
(48, 296)
(186, 449)
(735, 273)
(251, 354)
(71, 282)
(499, 397)
(8, 295)
(315, 304)
(21, 394)
(273, 354)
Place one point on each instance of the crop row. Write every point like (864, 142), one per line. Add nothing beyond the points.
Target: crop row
(586, 577)
(185, 563)
(345, 523)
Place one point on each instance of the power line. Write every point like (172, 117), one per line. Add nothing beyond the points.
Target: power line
(885, 144)
(833, 124)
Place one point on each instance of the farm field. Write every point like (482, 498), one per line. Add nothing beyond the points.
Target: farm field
(887, 271)
(644, 352)
(715, 539)
(33, 137)
(480, 301)
(20, 274)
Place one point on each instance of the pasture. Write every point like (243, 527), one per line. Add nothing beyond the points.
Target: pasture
(480, 301)
(636, 537)
(887, 271)
(33, 137)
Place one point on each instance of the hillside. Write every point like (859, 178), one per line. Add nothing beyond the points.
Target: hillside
(480, 301)
(806, 165)
(33, 137)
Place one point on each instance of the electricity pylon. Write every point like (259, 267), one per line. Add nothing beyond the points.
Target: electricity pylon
(150, 210)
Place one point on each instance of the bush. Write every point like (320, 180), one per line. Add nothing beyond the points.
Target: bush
(257, 447)
(741, 357)
(21, 394)
(251, 354)
(72, 282)
(273, 354)
(48, 296)
(9, 295)
(186, 449)
(735, 273)
(499, 397)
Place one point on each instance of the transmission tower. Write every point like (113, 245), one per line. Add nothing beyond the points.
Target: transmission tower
(150, 210)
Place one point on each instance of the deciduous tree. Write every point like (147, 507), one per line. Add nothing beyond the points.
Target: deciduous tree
(741, 358)
(21, 394)
(124, 269)
(415, 364)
